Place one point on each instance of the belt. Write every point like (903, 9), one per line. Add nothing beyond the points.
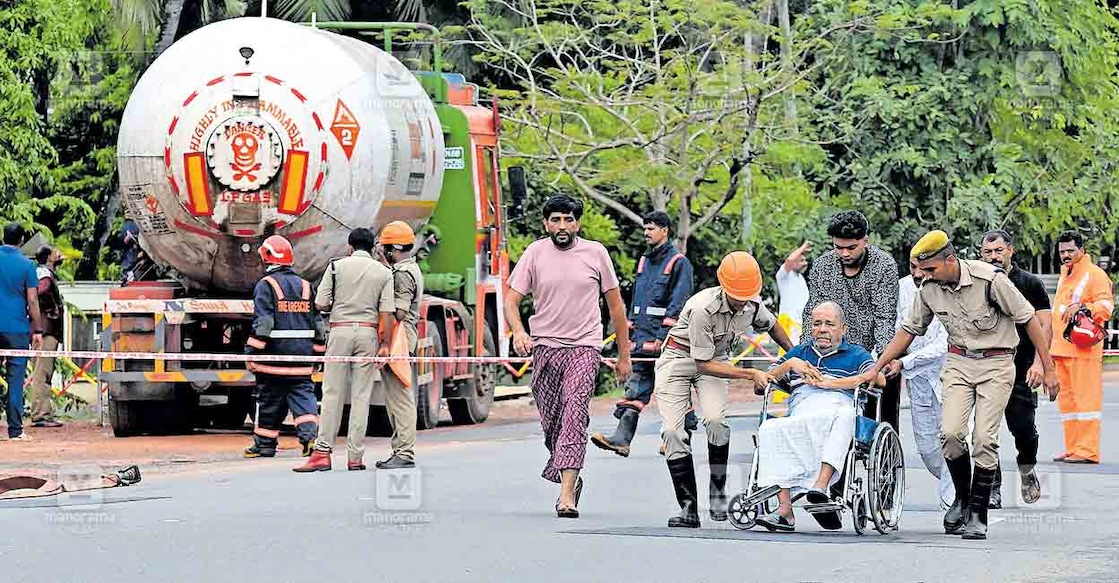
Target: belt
(673, 343)
(361, 324)
(988, 353)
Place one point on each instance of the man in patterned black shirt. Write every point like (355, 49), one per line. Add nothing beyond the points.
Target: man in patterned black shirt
(863, 280)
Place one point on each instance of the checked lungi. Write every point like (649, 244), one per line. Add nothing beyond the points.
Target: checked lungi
(562, 384)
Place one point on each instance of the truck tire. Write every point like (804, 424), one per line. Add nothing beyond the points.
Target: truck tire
(474, 406)
(429, 397)
(125, 417)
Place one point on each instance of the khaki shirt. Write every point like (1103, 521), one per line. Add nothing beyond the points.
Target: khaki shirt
(974, 320)
(709, 327)
(355, 289)
(408, 286)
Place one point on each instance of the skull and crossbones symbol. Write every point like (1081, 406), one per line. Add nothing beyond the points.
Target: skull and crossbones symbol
(244, 165)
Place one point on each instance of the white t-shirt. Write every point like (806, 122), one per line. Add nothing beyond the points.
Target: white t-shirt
(793, 291)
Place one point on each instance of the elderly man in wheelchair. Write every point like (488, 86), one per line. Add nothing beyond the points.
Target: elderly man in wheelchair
(805, 453)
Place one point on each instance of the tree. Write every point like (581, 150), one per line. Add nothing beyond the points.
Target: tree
(639, 105)
(995, 114)
(40, 39)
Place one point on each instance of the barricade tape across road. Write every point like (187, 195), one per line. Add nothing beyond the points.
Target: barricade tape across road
(214, 357)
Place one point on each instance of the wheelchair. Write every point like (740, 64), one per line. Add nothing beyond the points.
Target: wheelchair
(873, 477)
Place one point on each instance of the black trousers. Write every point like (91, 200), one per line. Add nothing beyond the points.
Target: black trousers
(1021, 420)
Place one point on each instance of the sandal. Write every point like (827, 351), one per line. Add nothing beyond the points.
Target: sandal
(565, 512)
(775, 521)
(578, 490)
(817, 496)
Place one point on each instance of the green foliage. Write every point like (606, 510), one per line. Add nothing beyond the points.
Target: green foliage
(638, 107)
(41, 39)
(998, 114)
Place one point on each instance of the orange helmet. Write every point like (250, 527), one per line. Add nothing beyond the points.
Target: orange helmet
(397, 233)
(739, 276)
(277, 250)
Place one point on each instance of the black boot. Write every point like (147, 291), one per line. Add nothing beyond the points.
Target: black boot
(623, 435)
(976, 528)
(683, 480)
(956, 516)
(996, 490)
(717, 458)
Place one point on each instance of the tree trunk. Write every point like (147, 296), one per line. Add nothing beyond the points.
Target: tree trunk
(168, 28)
(787, 58)
(172, 11)
(102, 229)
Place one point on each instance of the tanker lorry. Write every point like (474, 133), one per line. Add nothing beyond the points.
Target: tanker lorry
(255, 126)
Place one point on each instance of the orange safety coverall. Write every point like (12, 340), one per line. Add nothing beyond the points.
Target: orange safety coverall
(1080, 369)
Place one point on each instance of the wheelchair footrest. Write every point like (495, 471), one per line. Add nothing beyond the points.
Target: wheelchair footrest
(822, 508)
(758, 496)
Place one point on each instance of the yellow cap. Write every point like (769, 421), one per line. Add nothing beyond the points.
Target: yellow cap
(932, 243)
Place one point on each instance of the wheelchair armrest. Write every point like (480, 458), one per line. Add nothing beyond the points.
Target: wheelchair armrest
(871, 390)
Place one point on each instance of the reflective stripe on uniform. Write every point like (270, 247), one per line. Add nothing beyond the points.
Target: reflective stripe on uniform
(640, 265)
(308, 418)
(669, 322)
(672, 263)
(291, 334)
(1084, 416)
(273, 433)
(306, 289)
(256, 343)
(294, 371)
(655, 311)
(275, 287)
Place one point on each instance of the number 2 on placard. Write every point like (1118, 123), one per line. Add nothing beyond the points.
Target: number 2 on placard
(347, 137)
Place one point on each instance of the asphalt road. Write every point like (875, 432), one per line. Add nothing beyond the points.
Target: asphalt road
(477, 510)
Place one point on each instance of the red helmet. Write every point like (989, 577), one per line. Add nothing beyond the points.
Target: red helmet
(276, 250)
(1083, 331)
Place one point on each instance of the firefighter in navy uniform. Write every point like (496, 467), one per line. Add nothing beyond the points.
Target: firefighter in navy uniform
(284, 322)
(664, 283)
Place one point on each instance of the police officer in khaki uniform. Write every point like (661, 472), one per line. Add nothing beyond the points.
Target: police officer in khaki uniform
(697, 354)
(979, 306)
(397, 242)
(357, 292)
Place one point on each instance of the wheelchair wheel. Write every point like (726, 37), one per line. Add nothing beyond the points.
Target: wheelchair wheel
(741, 515)
(859, 514)
(886, 483)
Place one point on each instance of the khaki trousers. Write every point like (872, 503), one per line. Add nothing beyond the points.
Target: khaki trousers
(42, 408)
(400, 401)
(676, 376)
(981, 385)
(401, 404)
(341, 379)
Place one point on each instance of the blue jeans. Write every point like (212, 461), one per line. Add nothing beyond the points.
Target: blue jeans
(17, 371)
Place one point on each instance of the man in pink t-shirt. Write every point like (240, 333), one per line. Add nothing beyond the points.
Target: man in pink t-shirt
(565, 276)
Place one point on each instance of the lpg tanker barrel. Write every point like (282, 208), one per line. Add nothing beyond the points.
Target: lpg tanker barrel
(257, 126)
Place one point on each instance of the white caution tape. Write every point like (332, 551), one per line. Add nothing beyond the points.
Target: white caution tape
(188, 357)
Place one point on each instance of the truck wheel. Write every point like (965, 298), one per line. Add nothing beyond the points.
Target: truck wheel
(124, 417)
(429, 397)
(474, 406)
